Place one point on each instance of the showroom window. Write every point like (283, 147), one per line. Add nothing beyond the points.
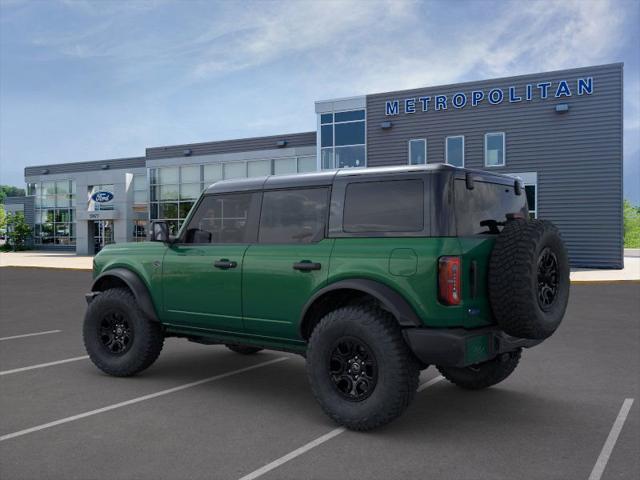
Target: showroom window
(454, 154)
(140, 230)
(172, 193)
(417, 151)
(494, 149)
(342, 139)
(54, 212)
(140, 189)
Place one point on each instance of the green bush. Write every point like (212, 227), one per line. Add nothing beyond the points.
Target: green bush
(18, 231)
(631, 225)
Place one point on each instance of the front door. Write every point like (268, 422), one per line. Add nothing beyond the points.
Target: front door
(102, 234)
(202, 271)
(289, 262)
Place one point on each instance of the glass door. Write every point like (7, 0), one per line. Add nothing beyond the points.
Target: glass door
(102, 234)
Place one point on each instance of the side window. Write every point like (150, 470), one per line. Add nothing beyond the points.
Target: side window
(293, 216)
(223, 219)
(385, 206)
(417, 151)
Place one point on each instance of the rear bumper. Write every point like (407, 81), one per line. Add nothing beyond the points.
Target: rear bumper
(457, 347)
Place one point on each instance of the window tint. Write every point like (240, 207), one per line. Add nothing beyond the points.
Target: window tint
(293, 216)
(478, 209)
(222, 219)
(387, 206)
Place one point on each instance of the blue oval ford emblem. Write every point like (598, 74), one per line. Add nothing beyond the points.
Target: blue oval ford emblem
(102, 197)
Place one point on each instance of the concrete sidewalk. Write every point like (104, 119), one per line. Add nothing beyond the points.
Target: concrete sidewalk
(68, 260)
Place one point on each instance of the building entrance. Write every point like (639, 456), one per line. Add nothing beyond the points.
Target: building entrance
(102, 234)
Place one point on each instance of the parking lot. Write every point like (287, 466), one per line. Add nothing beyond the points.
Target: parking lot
(205, 412)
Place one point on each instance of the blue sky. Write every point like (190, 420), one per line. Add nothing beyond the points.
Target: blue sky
(87, 80)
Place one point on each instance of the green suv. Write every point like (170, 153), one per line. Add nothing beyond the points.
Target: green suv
(371, 274)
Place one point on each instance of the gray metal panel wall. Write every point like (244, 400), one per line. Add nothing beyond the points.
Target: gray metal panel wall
(577, 155)
(28, 204)
(111, 164)
(230, 146)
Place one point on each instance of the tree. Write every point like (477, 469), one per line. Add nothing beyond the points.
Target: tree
(631, 225)
(18, 230)
(3, 218)
(9, 191)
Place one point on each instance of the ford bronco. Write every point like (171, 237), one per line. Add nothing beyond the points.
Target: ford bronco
(371, 274)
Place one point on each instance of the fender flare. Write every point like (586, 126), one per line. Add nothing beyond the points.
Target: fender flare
(135, 284)
(387, 296)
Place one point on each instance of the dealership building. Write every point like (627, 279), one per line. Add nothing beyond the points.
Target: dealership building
(561, 132)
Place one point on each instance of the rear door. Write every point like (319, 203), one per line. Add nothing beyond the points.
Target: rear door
(289, 262)
(202, 273)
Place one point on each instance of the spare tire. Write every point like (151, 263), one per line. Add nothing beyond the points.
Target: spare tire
(529, 279)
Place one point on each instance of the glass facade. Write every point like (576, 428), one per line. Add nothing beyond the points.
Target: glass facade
(54, 212)
(174, 190)
(342, 139)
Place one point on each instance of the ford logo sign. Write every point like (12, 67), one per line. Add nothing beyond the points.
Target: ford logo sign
(102, 197)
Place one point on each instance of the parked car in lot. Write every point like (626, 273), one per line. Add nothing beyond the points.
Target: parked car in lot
(371, 274)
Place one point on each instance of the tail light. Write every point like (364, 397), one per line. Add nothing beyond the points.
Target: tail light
(449, 280)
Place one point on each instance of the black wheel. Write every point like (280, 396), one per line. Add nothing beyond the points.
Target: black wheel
(243, 349)
(483, 375)
(360, 369)
(119, 338)
(529, 279)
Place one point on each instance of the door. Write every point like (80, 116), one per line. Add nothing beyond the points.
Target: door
(289, 262)
(102, 234)
(202, 271)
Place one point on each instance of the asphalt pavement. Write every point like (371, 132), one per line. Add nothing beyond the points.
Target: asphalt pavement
(205, 412)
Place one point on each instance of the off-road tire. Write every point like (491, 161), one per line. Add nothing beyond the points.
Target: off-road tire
(397, 369)
(147, 336)
(483, 375)
(515, 281)
(243, 349)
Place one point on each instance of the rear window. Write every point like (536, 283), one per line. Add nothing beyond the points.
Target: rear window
(478, 209)
(385, 206)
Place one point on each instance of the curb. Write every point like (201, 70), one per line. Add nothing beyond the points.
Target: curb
(606, 282)
(76, 269)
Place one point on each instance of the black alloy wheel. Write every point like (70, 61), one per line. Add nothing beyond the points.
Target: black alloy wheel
(353, 369)
(116, 332)
(547, 278)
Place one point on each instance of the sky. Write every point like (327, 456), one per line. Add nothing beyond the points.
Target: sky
(89, 80)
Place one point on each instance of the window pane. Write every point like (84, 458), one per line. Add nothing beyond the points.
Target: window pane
(168, 192)
(235, 170)
(486, 202)
(326, 132)
(455, 151)
(293, 216)
(190, 174)
(326, 118)
(327, 158)
(349, 116)
(259, 168)
(494, 153)
(62, 187)
(221, 219)
(190, 190)
(401, 211)
(49, 188)
(530, 191)
(139, 182)
(307, 164)
(350, 157)
(168, 210)
(350, 133)
(212, 173)
(168, 175)
(184, 209)
(153, 176)
(283, 166)
(417, 152)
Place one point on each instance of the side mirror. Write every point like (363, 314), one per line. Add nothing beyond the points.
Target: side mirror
(160, 232)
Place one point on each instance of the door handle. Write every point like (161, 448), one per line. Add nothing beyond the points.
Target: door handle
(225, 264)
(306, 266)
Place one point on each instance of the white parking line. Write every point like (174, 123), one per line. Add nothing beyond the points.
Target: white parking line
(30, 335)
(136, 400)
(42, 365)
(603, 458)
(314, 443)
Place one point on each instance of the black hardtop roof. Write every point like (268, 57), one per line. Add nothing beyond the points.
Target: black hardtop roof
(327, 177)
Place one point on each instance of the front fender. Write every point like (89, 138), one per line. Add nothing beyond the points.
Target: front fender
(133, 282)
